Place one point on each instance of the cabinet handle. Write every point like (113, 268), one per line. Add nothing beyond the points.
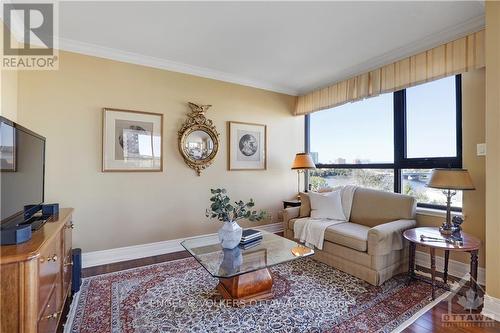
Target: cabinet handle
(52, 316)
(70, 225)
(53, 258)
(69, 263)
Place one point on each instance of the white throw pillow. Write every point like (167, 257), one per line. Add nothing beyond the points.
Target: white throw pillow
(327, 206)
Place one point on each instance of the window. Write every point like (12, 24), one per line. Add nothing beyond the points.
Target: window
(413, 182)
(431, 109)
(379, 179)
(390, 142)
(355, 123)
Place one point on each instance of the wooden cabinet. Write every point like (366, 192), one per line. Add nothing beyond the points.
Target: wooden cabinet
(35, 278)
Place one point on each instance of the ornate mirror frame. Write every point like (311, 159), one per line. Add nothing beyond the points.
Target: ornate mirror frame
(197, 122)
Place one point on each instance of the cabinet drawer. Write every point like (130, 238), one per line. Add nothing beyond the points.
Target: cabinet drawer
(50, 314)
(49, 270)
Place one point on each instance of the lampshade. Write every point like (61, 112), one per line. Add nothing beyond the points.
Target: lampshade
(303, 161)
(451, 179)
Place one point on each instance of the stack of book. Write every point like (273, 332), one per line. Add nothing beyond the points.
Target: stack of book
(250, 238)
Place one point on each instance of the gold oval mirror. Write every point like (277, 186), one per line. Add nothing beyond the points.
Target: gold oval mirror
(198, 139)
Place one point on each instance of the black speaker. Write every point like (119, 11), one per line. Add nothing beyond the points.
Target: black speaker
(76, 279)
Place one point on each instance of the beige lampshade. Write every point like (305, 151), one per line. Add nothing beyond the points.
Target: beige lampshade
(303, 161)
(451, 179)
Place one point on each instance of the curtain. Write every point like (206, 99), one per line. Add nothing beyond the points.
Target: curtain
(452, 58)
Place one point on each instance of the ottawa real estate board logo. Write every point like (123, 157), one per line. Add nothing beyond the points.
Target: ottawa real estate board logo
(28, 36)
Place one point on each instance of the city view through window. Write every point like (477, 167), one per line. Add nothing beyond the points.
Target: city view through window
(414, 182)
(362, 133)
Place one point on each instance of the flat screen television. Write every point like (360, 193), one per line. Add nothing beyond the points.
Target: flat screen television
(22, 171)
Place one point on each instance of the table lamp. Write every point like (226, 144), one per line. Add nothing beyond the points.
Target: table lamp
(302, 162)
(450, 181)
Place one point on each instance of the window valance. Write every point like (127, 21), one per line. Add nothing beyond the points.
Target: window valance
(452, 58)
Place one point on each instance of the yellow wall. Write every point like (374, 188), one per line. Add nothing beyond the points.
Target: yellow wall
(122, 209)
(473, 131)
(493, 147)
(8, 88)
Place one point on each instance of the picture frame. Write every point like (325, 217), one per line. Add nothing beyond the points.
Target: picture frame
(247, 148)
(132, 141)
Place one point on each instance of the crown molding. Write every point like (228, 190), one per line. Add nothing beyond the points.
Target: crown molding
(445, 36)
(154, 62)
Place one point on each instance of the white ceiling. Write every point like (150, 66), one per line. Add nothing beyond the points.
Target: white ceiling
(290, 47)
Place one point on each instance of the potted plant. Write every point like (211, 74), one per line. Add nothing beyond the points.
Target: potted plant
(222, 210)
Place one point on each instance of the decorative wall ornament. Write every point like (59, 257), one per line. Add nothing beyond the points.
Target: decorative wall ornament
(198, 139)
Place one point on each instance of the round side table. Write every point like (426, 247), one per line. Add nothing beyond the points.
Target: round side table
(470, 244)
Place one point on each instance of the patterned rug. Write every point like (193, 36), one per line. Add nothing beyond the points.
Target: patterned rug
(180, 296)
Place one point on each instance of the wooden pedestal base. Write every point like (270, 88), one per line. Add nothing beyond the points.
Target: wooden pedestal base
(247, 287)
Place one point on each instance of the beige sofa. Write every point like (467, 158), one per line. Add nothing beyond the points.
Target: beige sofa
(370, 246)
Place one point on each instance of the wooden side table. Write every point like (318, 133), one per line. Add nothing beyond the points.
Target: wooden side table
(291, 203)
(470, 244)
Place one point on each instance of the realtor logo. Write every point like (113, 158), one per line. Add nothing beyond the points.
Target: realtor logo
(28, 36)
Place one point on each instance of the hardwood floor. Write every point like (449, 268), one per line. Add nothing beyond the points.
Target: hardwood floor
(431, 321)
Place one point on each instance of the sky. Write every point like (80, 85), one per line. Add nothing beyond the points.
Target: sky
(364, 130)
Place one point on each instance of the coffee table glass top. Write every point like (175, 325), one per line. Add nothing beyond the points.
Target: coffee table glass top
(223, 263)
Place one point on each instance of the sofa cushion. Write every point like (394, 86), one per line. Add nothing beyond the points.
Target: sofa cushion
(305, 205)
(351, 235)
(327, 206)
(372, 207)
(305, 202)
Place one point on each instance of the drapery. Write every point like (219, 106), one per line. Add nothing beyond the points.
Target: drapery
(452, 58)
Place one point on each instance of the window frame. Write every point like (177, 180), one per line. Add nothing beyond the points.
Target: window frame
(401, 161)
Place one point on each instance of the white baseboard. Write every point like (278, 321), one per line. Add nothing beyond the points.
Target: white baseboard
(491, 307)
(455, 268)
(96, 258)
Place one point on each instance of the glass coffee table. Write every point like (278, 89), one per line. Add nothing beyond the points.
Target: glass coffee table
(244, 273)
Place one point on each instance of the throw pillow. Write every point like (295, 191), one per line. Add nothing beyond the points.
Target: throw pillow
(305, 205)
(327, 206)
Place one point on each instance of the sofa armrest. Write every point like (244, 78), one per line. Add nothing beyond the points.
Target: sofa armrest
(288, 214)
(388, 237)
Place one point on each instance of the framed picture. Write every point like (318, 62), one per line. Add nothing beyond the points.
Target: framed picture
(247, 146)
(131, 140)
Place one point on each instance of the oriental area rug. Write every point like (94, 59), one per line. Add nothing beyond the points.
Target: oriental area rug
(180, 296)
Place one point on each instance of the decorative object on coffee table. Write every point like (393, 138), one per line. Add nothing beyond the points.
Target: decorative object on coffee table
(131, 140)
(222, 210)
(450, 181)
(198, 139)
(433, 239)
(302, 162)
(244, 274)
(247, 146)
